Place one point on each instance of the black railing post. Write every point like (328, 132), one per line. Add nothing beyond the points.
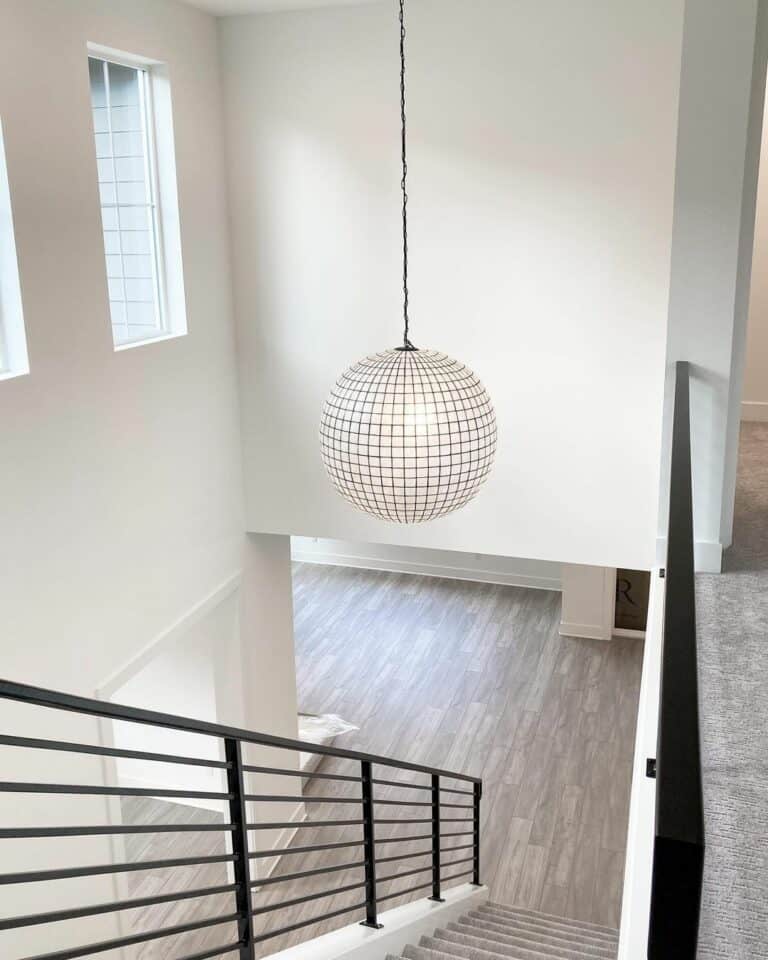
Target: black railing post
(477, 794)
(436, 839)
(369, 847)
(242, 869)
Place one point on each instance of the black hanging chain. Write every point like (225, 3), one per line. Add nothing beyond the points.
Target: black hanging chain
(407, 345)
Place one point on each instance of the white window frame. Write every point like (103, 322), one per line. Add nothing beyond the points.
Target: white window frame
(14, 361)
(160, 177)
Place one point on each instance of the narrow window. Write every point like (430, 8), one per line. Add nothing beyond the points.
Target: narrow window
(137, 257)
(13, 342)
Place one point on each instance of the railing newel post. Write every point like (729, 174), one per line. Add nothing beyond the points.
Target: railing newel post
(436, 840)
(477, 794)
(242, 868)
(369, 846)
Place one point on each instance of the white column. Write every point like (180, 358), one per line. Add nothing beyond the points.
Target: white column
(588, 601)
(722, 88)
(268, 676)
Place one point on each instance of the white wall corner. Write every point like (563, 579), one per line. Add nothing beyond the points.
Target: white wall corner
(589, 598)
(403, 925)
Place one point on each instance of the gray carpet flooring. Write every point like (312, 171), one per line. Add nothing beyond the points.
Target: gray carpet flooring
(732, 613)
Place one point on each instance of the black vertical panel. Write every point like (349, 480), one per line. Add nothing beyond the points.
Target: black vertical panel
(679, 844)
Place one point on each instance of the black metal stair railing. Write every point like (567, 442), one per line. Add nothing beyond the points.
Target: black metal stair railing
(678, 855)
(237, 798)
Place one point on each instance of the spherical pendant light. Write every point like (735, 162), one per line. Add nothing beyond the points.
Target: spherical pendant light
(408, 435)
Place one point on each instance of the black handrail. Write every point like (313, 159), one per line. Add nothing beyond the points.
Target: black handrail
(236, 796)
(678, 859)
(25, 693)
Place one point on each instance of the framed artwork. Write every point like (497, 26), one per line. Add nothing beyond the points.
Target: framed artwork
(632, 592)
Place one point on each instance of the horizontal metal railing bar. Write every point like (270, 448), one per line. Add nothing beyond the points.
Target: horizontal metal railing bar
(262, 854)
(310, 775)
(267, 881)
(457, 833)
(404, 873)
(458, 806)
(95, 791)
(288, 824)
(463, 846)
(36, 919)
(409, 820)
(455, 863)
(454, 876)
(463, 793)
(308, 923)
(34, 743)
(421, 836)
(117, 944)
(280, 798)
(455, 819)
(63, 701)
(402, 893)
(402, 783)
(402, 803)
(309, 897)
(404, 856)
(213, 952)
(33, 876)
(18, 833)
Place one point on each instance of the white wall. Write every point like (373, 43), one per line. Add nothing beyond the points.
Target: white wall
(120, 493)
(755, 402)
(721, 104)
(542, 148)
(515, 571)
(120, 473)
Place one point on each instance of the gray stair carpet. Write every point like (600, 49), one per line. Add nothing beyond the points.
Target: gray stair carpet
(496, 932)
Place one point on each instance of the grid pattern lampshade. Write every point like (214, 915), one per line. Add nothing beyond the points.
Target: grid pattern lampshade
(408, 435)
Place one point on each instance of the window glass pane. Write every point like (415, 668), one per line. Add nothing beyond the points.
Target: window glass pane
(129, 219)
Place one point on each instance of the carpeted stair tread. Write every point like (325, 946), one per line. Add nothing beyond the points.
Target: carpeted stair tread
(543, 929)
(521, 949)
(545, 923)
(523, 912)
(495, 932)
(532, 930)
(421, 953)
(548, 945)
(448, 948)
(463, 951)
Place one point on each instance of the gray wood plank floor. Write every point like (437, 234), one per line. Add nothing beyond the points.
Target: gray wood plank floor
(465, 676)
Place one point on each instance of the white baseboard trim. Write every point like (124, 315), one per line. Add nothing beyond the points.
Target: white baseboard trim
(403, 925)
(708, 556)
(424, 569)
(756, 410)
(584, 631)
(166, 638)
(627, 634)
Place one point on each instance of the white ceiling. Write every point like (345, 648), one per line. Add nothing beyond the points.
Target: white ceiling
(223, 8)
